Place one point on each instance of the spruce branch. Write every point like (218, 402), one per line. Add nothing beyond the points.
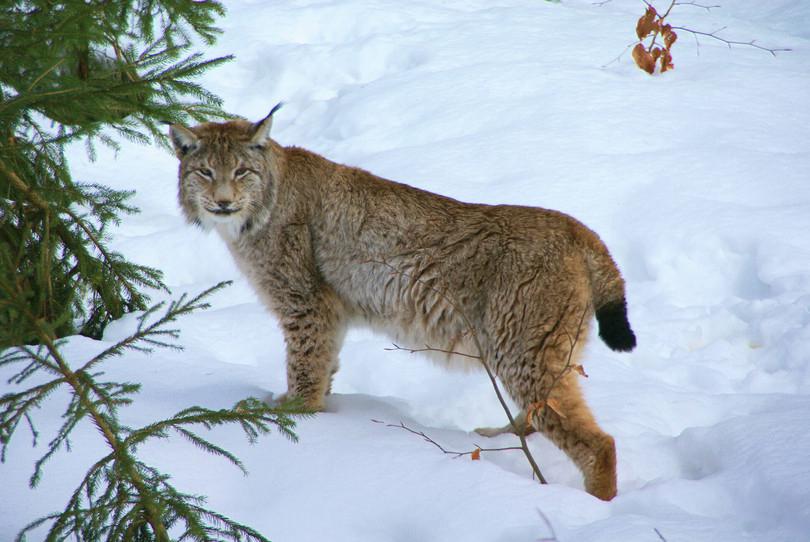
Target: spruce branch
(121, 497)
(152, 332)
(82, 406)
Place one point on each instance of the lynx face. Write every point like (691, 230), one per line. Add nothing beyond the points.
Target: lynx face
(225, 192)
(225, 182)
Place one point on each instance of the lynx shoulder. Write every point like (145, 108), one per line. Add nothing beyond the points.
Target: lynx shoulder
(327, 246)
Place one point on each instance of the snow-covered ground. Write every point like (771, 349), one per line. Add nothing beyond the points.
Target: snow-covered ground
(698, 180)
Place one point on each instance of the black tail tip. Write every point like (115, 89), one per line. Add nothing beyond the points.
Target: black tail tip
(614, 328)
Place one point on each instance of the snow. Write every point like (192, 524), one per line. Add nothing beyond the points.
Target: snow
(697, 180)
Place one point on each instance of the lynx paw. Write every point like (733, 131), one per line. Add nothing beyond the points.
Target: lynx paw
(310, 404)
(494, 431)
(506, 429)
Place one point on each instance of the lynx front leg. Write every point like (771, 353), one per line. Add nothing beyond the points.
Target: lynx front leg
(313, 334)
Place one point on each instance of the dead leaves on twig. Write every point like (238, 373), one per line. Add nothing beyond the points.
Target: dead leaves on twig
(653, 26)
(656, 55)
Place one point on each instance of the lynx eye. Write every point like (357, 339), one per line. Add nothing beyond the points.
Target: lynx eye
(205, 172)
(241, 171)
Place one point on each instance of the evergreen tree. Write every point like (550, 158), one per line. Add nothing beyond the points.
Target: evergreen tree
(92, 71)
(84, 70)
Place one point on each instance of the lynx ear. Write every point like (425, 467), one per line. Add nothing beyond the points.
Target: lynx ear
(184, 140)
(261, 129)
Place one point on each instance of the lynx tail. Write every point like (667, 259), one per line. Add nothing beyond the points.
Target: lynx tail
(614, 328)
(609, 302)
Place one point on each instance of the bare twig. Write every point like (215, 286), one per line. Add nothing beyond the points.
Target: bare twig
(428, 348)
(695, 4)
(659, 534)
(519, 431)
(456, 455)
(545, 519)
(664, 16)
(730, 43)
(620, 55)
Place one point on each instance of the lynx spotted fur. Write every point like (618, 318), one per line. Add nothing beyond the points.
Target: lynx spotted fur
(327, 245)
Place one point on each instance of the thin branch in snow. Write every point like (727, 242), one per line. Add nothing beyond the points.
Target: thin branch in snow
(428, 348)
(550, 527)
(478, 449)
(695, 4)
(713, 35)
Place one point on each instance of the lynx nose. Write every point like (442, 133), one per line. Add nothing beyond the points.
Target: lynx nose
(224, 204)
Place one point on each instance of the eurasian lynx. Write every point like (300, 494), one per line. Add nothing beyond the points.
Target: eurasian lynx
(326, 245)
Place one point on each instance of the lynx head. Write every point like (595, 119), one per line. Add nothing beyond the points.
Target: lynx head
(225, 178)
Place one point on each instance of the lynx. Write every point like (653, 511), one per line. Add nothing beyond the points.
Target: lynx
(327, 245)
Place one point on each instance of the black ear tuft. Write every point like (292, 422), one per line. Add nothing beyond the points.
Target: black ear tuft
(258, 125)
(261, 129)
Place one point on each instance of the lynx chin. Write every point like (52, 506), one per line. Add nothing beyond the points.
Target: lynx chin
(326, 246)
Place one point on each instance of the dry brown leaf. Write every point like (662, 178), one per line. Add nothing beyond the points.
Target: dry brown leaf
(647, 23)
(670, 36)
(643, 59)
(666, 61)
(581, 370)
(476, 454)
(555, 406)
(532, 409)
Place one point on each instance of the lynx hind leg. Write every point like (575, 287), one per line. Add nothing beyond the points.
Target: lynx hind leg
(545, 377)
(571, 426)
